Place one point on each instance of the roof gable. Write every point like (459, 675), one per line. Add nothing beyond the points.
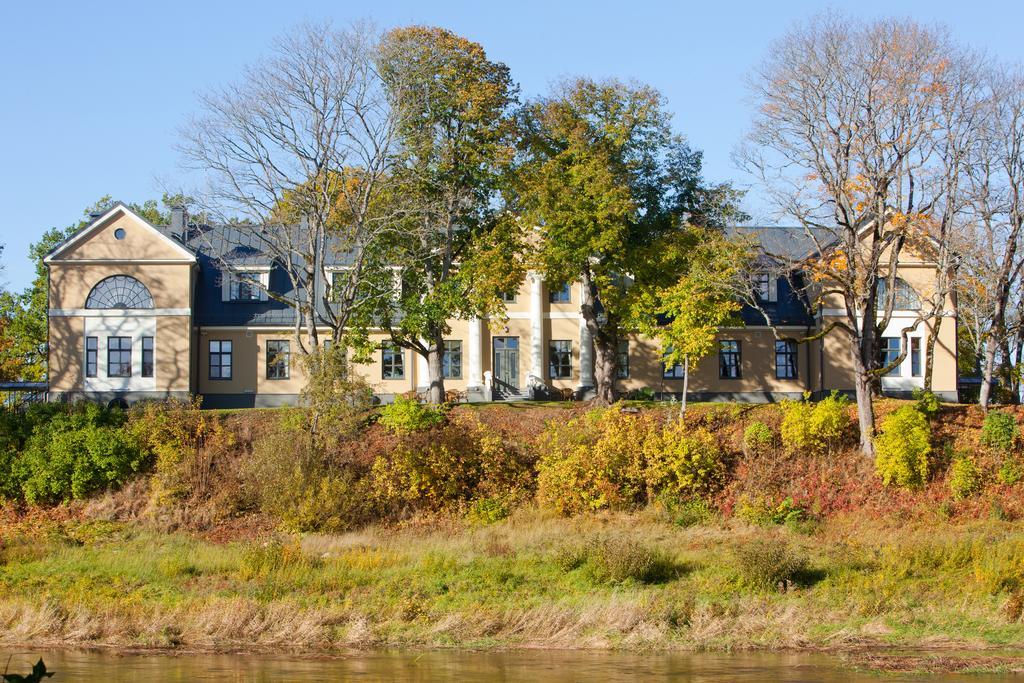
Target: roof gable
(120, 234)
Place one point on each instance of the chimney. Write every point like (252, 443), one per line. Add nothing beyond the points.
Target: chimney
(178, 219)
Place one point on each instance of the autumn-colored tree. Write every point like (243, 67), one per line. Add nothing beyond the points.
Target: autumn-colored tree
(852, 140)
(611, 190)
(454, 140)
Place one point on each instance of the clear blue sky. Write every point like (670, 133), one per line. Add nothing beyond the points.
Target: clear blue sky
(92, 97)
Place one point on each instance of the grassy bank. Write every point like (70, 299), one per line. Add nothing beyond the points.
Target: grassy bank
(517, 526)
(517, 583)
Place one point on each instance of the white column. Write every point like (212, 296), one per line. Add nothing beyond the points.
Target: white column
(475, 367)
(586, 352)
(422, 371)
(536, 326)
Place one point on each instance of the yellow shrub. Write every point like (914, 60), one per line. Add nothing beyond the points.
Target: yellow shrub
(902, 448)
(448, 466)
(613, 459)
(681, 465)
(815, 428)
(592, 462)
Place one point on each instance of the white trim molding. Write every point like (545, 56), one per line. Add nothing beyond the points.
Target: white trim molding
(134, 327)
(188, 256)
(115, 312)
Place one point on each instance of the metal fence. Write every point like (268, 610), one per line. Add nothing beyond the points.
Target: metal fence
(17, 395)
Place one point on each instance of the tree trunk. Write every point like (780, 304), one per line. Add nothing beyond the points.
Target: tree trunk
(605, 363)
(988, 370)
(864, 386)
(1019, 360)
(1006, 371)
(686, 383)
(605, 344)
(435, 369)
(929, 352)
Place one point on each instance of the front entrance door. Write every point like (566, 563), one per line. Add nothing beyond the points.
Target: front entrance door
(506, 363)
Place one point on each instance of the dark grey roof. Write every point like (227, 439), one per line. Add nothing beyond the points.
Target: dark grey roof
(235, 247)
(786, 242)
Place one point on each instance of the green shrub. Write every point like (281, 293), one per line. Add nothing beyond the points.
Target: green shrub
(271, 557)
(642, 394)
(616, 560)
(926, 402)
(758, 438)
(964, 478)
(765, 563)
(764, 513)
(1010, 471)
(304, 488)
(690, 512)
(489, 510)
(999, 431)
(902, 448)
(407, 415)
(815, 428)
(77, 452)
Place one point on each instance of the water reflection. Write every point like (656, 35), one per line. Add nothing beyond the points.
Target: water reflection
(512, 667)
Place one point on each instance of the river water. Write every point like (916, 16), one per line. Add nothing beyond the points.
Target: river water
(535, 666)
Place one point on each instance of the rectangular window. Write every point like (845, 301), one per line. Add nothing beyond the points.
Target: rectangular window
(278, 359)
(766, 288)
(392, 361)
(729, 359)
(91, 356)
(452, 363)
(560, 359)
(560, 296)
(119, 356)
(622, 360)
(888, 353)
(508, 297)
(915, 357)
(220, 359)
(672, 371)
(761, 285)
(147, 356)
(244, 286)
(785, 359)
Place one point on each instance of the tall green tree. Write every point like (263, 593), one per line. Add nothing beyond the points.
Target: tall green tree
(613, 191)
(23, 318)
(454, 141)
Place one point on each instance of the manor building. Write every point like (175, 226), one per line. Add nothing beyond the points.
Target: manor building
(145, 311)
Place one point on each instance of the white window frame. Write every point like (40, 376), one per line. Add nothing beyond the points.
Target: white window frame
(231, 277)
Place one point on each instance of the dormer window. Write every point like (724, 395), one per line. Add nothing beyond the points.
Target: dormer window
(766, 287)
(246, 285)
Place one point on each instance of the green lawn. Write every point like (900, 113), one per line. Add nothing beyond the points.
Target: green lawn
(511, 584)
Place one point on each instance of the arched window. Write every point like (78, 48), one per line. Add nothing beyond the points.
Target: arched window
(119, 291)
(906, 298)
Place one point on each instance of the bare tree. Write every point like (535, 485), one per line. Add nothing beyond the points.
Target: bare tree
(298, 155)
(845, 141)
(997, 181)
